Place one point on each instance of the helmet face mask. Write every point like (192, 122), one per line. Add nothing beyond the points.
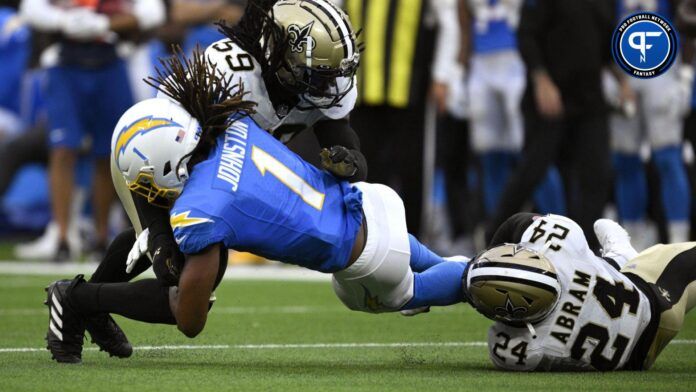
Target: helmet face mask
(151, 146)
(145, 185)
(512, 284)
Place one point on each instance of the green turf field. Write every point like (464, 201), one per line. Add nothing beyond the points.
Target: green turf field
(296, 336)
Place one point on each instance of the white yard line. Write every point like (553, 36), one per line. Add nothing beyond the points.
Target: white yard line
(236, 272)
(272, 346)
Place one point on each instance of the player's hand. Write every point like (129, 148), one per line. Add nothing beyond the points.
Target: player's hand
(547, 95)
(83, 24)
(440, 93)
(167, 260)
(627, 99)
(138, 250)
(339, 160)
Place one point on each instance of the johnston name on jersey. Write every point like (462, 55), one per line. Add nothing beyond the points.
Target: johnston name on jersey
(597, 321)
(230, 59)
(253, 194)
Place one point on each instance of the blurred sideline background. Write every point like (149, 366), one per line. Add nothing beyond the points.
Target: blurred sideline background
(441, 118)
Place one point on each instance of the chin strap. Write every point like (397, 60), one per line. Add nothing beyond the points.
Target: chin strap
(531, 329)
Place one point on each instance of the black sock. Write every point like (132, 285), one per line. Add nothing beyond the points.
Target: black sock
(113, 267)
(144, 300)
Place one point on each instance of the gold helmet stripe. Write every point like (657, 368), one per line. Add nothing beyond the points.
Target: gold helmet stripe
(339, 23)
(484, 264)
(488, 278)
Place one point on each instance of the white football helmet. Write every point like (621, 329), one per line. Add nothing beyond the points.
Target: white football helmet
(148, 145)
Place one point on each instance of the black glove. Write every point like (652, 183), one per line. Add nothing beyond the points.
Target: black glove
(167, 259)
(339, 160)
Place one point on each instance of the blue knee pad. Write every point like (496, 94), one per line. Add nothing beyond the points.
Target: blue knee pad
(674, 183)
(631, 187)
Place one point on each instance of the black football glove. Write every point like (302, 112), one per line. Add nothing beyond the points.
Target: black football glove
(167, 260)
(339, 160)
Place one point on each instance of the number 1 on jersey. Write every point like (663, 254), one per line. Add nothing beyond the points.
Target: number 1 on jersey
(266, 162)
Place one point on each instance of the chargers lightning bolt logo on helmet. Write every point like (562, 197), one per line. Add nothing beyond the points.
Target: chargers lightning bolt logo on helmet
(644, 45)
(299, 36)
(139, 127)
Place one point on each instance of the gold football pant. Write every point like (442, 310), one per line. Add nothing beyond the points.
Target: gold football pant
(671, 272)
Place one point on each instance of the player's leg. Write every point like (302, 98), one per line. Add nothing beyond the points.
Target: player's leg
(63, 99)
(491, 139)
(542, 140)
(674, 190)
(548, 197)
(664, 127)
(668, 274)
(591, 163)
(381, 279)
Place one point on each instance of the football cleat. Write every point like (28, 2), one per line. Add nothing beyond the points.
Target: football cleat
(66, 326)
(108, 336)
(615, 241)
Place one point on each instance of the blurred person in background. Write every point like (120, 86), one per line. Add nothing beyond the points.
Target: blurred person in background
(190, 23)
(656, 120)
(15, 49)
(565, 46)
(496, 85)
(397, 76)
(87, 90)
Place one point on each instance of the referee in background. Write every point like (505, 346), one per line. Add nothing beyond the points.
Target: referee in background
(394, 80)
(565, 44)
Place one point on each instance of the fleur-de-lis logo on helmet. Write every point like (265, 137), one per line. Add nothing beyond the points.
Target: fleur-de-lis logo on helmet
(509, 309)
(299, 38)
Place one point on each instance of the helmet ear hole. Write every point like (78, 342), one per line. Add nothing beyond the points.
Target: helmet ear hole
(167, 168)
(528, 300)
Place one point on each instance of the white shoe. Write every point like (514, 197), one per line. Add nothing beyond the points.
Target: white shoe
(46, 246)
(413, 312)
(615, 241)
(459, 258)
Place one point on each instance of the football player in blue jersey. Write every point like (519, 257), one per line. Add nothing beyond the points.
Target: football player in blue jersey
(232, 185)
(656, 119)
(496, 86)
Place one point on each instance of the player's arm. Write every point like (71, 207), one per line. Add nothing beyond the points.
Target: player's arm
(341, 149)
(512, 229)
(167, 259)
(686, 17)
(191, 301)
(146, 15)
(189, 13)
(445, 68)
(465, 23)
(534, 20)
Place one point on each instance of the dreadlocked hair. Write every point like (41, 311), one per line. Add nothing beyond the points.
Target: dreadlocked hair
(205, 93)
(259, 35)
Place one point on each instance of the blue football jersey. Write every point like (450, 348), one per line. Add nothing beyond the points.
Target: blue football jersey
(628, 7)
(494, 24)
(253, 194)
